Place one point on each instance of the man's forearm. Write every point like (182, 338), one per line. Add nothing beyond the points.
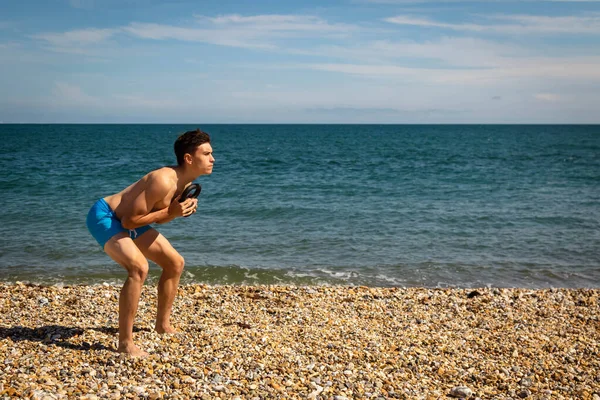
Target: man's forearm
(158, 217)
(165, 217)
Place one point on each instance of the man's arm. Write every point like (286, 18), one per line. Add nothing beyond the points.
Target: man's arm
(140, 211)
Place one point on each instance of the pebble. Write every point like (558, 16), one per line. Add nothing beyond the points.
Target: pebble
(462, 392)
(523, 393)
(526, 382)
(316, 392)
(219, 388)
(316, 342)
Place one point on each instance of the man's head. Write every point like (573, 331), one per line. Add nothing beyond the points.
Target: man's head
(188, 143)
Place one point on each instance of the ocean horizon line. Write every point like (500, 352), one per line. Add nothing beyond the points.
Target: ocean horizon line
(314, 123)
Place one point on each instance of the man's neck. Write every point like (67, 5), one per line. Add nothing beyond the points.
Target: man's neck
(183, 176)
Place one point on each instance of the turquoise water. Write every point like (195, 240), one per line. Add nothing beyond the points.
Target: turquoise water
(377, 205)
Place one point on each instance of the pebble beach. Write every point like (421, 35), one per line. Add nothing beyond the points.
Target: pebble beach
(287, 342)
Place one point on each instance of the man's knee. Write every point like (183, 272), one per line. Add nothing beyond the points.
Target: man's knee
(138, 270)
(177, 264)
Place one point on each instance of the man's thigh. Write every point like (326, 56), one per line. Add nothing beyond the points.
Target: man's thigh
(124, 251)
(157, 248)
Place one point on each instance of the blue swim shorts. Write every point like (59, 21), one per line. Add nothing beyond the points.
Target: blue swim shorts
(103, 223)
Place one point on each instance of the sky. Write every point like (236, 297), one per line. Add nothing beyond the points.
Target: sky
(277, 61)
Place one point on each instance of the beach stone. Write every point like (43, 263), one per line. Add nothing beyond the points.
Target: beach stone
(316, 392)
(460, 392)
(188, 379)
(219, 388)
(523, 393)
(38, 394)
(526, 382)
(139, 389)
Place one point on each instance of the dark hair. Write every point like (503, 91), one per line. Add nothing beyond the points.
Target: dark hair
(188, 142)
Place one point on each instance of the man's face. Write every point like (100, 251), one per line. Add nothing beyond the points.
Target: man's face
(203, 159)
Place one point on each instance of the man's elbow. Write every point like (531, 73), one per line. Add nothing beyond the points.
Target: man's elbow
(127, 223)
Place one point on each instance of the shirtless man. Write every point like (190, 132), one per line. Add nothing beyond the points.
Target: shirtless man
(121, 225)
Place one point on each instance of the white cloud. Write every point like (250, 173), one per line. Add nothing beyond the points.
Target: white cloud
(69, 95)
(551, 97)
(80, 37)
(517, 24)
(447, 51)
(543, 24)
(535, 69)
(218, 37)
(258, 31)
(289, 24)
(9, 45)
(413, 21)
(73, 95)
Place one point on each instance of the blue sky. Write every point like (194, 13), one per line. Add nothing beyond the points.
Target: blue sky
(344, 61)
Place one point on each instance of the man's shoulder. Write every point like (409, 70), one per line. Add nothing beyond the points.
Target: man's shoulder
(167, 172)
(164, 177)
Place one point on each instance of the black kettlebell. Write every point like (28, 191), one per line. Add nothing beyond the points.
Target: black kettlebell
(190, 192)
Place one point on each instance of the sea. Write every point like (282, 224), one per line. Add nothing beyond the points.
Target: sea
(463, 206)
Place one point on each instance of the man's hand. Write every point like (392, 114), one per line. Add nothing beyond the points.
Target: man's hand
(183, 209)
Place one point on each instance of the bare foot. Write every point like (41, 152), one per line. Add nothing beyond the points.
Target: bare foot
(131, 350)
(165, 329)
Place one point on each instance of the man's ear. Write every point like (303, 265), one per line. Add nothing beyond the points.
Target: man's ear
(187, 157)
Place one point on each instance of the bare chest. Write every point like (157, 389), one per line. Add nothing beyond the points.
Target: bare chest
(164, 203)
